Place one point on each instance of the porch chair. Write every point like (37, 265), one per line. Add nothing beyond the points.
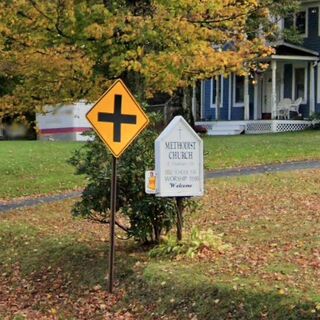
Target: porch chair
(283, 108)
(295, 106)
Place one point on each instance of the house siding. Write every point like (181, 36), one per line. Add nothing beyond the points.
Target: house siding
(224, 109)
(209, 113)
(237, 113)
(288, 74)
(313, 40)
(251, 101)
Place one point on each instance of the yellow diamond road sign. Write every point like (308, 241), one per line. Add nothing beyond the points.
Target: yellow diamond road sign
(117, 118)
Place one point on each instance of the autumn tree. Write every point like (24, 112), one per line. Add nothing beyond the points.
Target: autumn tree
(61, 51)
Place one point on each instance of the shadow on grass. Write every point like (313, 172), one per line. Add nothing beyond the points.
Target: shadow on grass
(182, 288)
(187, 291)
(80, 263)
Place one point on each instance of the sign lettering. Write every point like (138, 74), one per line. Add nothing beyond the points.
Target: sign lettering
(179, 161)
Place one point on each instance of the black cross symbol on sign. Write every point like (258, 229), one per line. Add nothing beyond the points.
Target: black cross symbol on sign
(117, 118)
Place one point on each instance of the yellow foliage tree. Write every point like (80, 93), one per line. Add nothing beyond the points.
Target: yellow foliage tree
(64, 50)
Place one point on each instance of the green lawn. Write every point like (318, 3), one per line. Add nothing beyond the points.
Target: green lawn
(54, 267)
(34, 167)
(247, 150)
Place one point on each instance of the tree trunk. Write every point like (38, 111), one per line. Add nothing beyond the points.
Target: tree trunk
(135, 83)
(185, 102)
(157, 233)
(187, 105)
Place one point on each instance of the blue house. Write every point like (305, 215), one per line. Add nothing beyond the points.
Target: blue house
(282, 98)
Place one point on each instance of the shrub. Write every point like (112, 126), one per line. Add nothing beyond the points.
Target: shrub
(190, 247)
(148, 215)
(200, 129)
(315, 118)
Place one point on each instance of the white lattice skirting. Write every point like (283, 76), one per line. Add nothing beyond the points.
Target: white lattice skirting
(259, 127)
(255, 127)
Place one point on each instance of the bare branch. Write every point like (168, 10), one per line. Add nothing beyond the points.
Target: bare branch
(98, 219)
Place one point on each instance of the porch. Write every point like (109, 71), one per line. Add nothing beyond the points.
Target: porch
(254, 101)
(291, 76)
(224, 128)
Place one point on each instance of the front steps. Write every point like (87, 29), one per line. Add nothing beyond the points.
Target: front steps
(223, 128)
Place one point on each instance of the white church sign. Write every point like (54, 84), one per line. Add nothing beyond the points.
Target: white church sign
(179, 161)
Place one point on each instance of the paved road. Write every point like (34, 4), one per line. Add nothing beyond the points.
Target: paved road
(37, 201)
(292, 166)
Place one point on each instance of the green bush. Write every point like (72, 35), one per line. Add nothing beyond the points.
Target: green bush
(315, 118)
(148, 215)
(197, 241)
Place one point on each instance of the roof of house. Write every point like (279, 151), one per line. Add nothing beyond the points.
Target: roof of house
(285, 48)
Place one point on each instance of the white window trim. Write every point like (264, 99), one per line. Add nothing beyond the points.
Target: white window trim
(234, 103)
(305, 98)
(213, 105)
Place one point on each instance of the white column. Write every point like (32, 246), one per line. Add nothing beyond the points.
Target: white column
(194, 103)
(312, 97)
(274, 90)
(246, 99)
(255, 105)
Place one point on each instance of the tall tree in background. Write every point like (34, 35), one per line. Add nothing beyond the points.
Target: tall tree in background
(61, 51)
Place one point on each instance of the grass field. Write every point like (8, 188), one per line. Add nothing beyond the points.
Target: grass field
(247, 150)
(33, 167)
(54, 267)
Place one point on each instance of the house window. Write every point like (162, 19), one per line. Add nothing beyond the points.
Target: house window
(239, 90)
(300, 83)
(298, 21)
(213, 92)
(301, 22)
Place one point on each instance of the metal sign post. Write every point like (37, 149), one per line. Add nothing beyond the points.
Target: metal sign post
(113, 209)
(118, 119)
